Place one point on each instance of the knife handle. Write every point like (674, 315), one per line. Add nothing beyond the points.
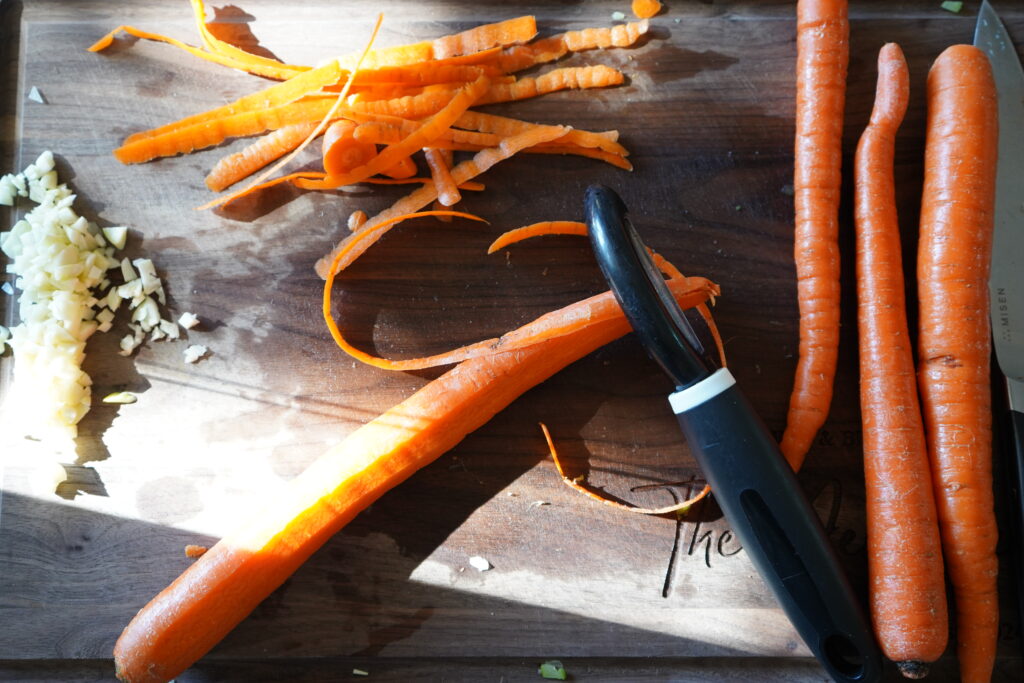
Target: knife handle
(1013, 448)
(760, 496)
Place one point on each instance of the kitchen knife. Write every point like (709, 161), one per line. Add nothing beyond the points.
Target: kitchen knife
(1006, 283)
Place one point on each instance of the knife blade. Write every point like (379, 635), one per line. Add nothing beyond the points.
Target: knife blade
(1006, 282)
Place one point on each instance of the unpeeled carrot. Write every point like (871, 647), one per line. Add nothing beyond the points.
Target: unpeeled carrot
(264, 150)
(906, 583)
(223, 586)
(954, 345)
(822, 56)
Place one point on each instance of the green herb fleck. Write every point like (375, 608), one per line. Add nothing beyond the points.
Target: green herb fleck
(552, 669)
(953, 6)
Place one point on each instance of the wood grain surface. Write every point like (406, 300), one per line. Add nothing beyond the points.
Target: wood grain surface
(707, 112)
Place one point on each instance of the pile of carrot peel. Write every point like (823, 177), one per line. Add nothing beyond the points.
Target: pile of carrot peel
(379, 111)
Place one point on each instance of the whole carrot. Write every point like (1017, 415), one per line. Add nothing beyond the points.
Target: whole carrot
(213, 595)
(822, 55)
(954, 253)
(907, 586)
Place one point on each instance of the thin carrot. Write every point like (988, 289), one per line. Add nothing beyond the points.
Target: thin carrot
(822, 56)
(954, 251)
(467, 170)
(502, 33)
(907, 586)
(204, 603)
(264, 150)
(447, 190)
(566, 78)
(645, 9)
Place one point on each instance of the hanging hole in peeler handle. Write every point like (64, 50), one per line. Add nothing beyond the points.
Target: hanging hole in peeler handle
(844, 656)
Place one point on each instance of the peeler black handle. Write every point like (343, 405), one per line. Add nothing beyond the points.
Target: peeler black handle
(761, 498)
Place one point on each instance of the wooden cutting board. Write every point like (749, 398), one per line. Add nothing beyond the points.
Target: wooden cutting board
(707, 112)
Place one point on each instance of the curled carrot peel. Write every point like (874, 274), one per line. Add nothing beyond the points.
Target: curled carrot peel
(422, 137)
(107, 40)
(254, 64)
(550, 325)
(822, 55)
(577, 484)
(258, 182)
(907, 586)
(219, 52)
(580, 229)
(467, 170)
(536, 230)
(342, 151)
(954, 338)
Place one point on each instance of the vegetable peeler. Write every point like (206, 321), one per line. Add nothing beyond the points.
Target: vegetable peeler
(751, 480)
